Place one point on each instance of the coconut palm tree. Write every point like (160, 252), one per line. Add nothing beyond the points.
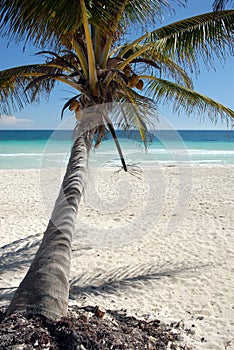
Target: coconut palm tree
(89, 51)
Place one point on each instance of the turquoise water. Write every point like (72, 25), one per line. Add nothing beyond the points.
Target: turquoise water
(36, 149)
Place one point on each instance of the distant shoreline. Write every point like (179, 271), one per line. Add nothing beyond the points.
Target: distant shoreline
(42, 148)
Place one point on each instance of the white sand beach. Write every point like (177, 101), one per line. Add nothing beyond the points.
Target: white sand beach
(161, 246)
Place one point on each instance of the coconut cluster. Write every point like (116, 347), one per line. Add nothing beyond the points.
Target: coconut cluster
(133, 79)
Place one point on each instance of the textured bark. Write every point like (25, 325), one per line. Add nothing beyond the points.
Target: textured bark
(45, 288)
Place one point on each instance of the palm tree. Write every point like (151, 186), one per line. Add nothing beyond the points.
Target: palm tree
(90, 53)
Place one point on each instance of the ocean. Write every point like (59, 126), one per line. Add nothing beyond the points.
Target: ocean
(34, 149)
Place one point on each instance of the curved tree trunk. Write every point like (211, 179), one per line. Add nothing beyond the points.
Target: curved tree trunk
(45, 288)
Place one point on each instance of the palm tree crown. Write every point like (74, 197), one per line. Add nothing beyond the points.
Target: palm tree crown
(92, 57)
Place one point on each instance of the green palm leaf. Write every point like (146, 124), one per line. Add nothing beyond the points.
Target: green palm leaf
(187, 100)
(220, 4)
(62, 61)
(13, 84)
(12, 95)
(145, 10)
(201, 37)
(197, 37)
(51, 22)
(172, 70)
(28, 70)
(168, 67)
(135, 112)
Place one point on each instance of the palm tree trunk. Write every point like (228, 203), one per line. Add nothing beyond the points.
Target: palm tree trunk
(45, 288)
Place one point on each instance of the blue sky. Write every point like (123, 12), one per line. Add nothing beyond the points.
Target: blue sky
(216, 84)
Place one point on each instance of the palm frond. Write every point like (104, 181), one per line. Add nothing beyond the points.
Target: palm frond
(146, 11)
(161, 61)
(170, 69)
(27, 71)
(12, 95)
(90, 49)
(115, 138)
(62, 61)
(140, 115)
(50, 21)
(137, 11)
(135, 112)
(220, 4)
(83, 60)
(205, 36)
(146, 61)
(46, 77)
(45, 83)
(187, 100)
(14, 81)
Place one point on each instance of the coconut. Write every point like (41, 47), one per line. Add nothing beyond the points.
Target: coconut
(133, 81)
(74, 105)
(127, 70)
(113, 62)
(140, 84)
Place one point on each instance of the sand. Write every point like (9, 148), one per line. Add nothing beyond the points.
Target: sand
(163, 248)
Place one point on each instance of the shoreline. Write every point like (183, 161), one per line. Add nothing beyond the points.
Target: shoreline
(185, 275)
(192, 165)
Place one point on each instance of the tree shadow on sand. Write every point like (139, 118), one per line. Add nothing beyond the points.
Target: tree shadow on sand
(83, 325)
(117, 330)
(18, 255)
(126, 277)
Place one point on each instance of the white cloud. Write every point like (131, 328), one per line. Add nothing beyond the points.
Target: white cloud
(11, 122)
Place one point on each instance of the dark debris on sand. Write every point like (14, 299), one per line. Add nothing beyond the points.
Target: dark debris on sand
(84, 329)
